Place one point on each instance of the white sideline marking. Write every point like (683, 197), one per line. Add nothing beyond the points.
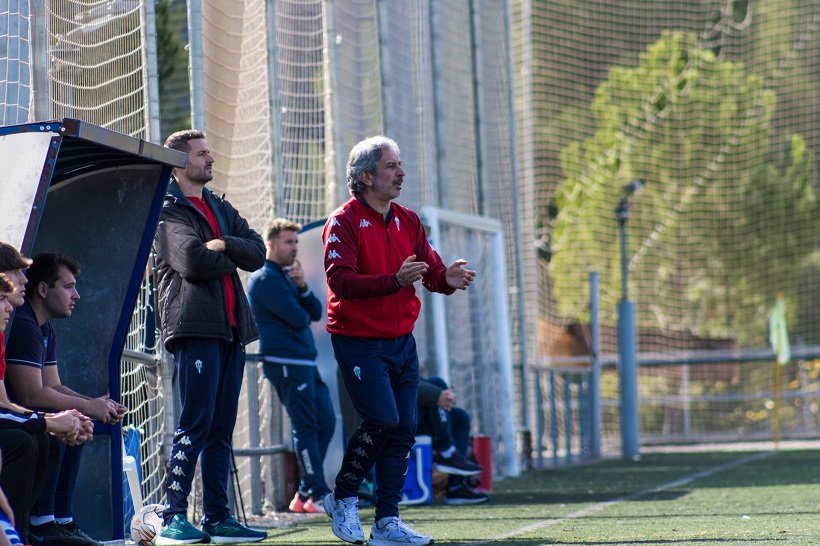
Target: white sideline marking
(601, 505)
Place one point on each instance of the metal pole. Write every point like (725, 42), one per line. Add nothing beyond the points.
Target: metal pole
(627, 347)
(478, 106)
(382, 22)
(623, 213)
(595, 379)
(567, 379)
(627, 344)
(196, 69)
(438, 106)
(553, 420)
(151, 71)
(278, 195)
(336, 191)
(40, 65)
(517, 231)
(252, 388)
(539, 419)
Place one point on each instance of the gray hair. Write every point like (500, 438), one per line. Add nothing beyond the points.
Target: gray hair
(364, 158)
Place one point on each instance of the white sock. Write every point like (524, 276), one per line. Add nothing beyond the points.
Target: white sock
(41, 520)
(64, 521)
(447, 453)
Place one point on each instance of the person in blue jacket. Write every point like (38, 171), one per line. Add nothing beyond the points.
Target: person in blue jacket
(284, 306)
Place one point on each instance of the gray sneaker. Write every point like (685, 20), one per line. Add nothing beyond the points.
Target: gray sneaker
(392, 531)
(344, 514)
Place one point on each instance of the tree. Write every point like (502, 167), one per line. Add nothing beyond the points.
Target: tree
(713, 235)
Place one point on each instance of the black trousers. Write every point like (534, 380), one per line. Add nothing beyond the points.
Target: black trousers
(28, 462)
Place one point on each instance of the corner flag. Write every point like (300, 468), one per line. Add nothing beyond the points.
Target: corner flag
(778, 335)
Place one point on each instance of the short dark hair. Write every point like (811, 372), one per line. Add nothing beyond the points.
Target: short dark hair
(278, 225)
(46, 268)
(6, 286)
(11, 259)
(179, 140)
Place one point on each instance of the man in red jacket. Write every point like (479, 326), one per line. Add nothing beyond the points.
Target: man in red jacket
(374, 251)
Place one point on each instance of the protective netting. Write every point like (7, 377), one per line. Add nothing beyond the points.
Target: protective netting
(95, 51)
(714, 104)
(435, 78)
(471, 332)
(711, 104)
(238, 123)
(708, 103)
(15, 62)
(143, 393)
(300, 117)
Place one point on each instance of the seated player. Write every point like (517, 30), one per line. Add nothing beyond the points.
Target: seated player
(33, 381)
(449, 426)
(30, 441)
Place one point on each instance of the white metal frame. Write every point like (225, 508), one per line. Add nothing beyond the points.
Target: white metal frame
(434, 217)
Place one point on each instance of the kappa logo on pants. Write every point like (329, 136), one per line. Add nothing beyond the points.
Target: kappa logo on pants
(357, 371)
(198, 365)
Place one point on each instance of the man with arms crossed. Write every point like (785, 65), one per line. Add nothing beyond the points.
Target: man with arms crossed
(33, 381)
(284, 307)
(374, 251)
(201, 242)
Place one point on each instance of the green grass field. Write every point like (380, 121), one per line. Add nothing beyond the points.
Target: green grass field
(666, 498)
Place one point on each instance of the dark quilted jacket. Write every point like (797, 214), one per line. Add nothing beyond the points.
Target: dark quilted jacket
(191, 301)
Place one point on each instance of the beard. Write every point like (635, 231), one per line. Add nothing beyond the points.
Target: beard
(199, 176)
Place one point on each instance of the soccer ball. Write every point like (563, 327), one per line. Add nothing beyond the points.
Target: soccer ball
(147, 524)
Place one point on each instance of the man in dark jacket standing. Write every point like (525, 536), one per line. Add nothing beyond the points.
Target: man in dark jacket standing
(284, 307)
(206, 322)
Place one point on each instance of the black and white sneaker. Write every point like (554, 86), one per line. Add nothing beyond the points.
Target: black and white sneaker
(455, 464)
(462, 494)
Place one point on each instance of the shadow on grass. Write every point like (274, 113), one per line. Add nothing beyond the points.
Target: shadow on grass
(513, 541)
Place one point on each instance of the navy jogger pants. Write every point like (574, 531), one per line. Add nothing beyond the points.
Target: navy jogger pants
(382, 378)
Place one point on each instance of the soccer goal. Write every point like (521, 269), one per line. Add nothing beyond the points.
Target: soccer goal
(468, 333)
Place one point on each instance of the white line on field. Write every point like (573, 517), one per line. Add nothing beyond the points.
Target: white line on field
(601, 505)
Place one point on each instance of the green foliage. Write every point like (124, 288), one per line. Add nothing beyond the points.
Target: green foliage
(716, 223)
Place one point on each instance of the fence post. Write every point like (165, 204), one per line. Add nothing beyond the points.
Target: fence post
(567, 415)
(553, 420)
(41, 98)
(196, 68)
(687, 401)
(254, 437)
(595, 378)
(583, 416)
(539, 419)
(628, 371)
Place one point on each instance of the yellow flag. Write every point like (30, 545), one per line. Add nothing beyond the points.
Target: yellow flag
(778, 335)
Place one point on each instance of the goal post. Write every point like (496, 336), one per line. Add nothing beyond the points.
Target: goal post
(475, 354)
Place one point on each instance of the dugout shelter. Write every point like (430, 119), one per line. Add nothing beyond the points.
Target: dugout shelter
(79, 189)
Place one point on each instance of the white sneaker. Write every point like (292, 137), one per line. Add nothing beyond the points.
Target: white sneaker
(392, 531)
(344, 514)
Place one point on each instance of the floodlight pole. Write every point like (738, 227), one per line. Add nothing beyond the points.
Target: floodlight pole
(627, 342)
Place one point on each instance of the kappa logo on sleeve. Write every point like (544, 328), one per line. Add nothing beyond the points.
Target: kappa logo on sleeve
(334, 221)
(332, 255)
(333, 239)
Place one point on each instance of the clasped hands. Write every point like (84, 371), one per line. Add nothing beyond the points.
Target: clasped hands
(457, 276)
